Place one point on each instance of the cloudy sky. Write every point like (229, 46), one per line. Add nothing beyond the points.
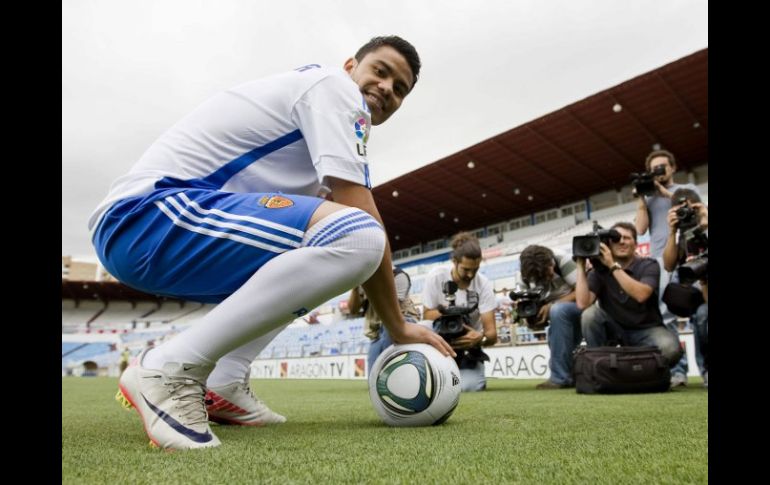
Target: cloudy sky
(132, 68)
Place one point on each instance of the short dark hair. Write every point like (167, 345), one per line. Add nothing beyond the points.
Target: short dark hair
(465, 245)
(660, 153)
(689, 194)
(403, 47)
(535, 261)
(627, 226)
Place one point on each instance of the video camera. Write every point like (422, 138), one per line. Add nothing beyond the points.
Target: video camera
(694, 269)
(528, 301)
(644, 182)
(697, 244)
(681, 297)
(450, 324)
(528, 305)
(588, 246)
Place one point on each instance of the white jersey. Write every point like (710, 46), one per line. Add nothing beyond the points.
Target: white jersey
(432, 296)
(284, 133)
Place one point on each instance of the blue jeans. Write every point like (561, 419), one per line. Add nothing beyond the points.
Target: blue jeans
(563, 337)
(472, 380)
(669, 319)
(376, 347)
(700, 323)
(681, 367)
(597, 325)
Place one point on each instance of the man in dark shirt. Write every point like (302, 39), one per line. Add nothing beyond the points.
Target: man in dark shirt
(626, 287)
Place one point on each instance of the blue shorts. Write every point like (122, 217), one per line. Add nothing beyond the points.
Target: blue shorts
(198, 244)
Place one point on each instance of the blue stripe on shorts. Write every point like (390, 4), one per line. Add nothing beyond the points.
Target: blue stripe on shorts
(197, 244)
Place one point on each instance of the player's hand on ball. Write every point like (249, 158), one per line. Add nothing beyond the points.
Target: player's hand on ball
(415, 334)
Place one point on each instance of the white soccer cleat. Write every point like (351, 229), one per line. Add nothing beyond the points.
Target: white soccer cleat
(170, 403)
(236, 404)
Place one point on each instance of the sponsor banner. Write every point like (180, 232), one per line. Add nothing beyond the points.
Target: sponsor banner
(491, 253)
(331, 367)
(516, 362)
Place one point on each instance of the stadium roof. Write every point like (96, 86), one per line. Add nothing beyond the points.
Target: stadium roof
(565, 156)
(105, 291)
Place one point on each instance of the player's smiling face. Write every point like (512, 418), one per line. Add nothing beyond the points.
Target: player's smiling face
(384, 78)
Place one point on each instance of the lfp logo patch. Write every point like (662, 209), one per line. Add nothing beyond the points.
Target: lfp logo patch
(362, 129)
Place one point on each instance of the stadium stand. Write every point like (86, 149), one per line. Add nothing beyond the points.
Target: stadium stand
(140, 323)
(574, 178)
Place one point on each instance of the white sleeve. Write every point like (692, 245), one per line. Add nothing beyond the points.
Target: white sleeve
(335, 124)
(432, 295)
(487, 301)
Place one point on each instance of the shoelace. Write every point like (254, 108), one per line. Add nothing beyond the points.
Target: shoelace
(247, 389)
(189, 395)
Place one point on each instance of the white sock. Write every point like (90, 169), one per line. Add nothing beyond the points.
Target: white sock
(235, 365)
(339, 252)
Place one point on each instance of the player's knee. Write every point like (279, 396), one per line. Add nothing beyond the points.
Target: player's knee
(374, 250)
(354, 235)
(365, 237)
(349, 228)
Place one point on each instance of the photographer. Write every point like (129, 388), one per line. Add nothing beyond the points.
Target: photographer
(686, 244)
(651, 210)
(358, 304)
(472, 289)
(555, 276)
(626, 290)
(651, 213)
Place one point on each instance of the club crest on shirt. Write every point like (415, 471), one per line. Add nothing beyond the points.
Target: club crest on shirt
(275, 202)
(361, 126)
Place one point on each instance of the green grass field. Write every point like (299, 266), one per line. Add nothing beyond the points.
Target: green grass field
(509, 434)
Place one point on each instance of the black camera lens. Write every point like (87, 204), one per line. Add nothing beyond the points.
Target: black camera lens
(686, 217)
(694, 270)
(684, 212)
(449, 287)
(586, 246)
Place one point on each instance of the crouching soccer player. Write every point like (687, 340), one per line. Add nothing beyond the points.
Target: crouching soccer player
(226, 207)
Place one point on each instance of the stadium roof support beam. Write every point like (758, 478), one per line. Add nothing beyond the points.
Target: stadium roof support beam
(539, 169)
(480, 189)
(653, 137)
(601, 139)
(414, 214)
(678, 98)
(507, 197)
(568, 156)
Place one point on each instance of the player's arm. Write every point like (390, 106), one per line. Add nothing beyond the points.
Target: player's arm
(381, 288)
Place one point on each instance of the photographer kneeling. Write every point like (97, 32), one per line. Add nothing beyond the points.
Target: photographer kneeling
(626, 288)
(552, 278)
(461, 303)
(687, 251)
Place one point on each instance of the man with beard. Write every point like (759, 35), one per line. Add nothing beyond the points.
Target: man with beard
(472, 288)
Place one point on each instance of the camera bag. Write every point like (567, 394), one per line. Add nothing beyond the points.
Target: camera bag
(682, 300)
(620, 370)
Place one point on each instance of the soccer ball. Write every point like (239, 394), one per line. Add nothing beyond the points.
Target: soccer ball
(414, 385)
